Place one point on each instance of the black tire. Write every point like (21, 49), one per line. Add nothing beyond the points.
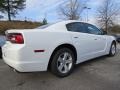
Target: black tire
(111, 53)
(54, 63)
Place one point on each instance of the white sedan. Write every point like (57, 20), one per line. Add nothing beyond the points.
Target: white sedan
(57, 47)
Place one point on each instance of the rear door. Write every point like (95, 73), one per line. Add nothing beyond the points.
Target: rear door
(99, 42)
(85, 43)
(87, 39)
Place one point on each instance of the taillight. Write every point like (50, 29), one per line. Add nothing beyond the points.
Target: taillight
(16, 38)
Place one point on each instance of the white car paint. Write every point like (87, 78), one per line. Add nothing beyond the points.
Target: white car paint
(23, 58)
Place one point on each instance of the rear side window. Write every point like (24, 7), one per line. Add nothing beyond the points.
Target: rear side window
(93, 30)
(76, 27)
(44, 26)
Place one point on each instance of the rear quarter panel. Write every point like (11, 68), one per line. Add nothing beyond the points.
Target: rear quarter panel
(42, 40)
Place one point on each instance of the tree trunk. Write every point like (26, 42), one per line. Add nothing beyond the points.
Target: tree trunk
(106, 26)
(9, 15)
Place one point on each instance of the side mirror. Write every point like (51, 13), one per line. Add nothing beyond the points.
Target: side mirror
(104, 32)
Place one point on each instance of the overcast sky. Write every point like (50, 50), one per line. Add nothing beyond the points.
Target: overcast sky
(36, 10)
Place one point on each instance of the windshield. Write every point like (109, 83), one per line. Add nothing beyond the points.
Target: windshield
(44, 26)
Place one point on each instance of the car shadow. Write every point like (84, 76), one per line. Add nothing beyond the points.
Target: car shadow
(95, 60)
(47, 74)
(91, 61)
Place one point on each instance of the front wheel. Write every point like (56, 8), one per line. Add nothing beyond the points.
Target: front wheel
(63, 62)
(112, 49)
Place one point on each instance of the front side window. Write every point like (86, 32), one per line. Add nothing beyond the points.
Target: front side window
(93, 30)
(76, 27)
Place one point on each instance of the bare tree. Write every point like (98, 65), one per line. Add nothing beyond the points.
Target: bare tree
(71, 10)
(107, 13)
(1, 16)
(11, 7)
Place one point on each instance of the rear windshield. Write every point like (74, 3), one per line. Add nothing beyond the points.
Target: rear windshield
(44, 26)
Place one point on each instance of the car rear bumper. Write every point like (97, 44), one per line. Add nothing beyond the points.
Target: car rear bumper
(25, 66)
(23, 59)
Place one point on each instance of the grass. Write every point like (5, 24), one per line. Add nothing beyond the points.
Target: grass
(6, 25)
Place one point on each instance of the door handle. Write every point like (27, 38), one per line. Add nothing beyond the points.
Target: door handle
(95, 39)
(75, 37)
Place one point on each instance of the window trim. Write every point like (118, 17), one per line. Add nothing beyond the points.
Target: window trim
(85, 28)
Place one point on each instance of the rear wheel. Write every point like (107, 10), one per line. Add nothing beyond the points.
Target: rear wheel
(112, 49)
(63, 62)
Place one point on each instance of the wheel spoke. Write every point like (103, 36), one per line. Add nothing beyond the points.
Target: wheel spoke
(69, 60)
(60, 59)
(66, 68)
(65, 56)
(60, 67)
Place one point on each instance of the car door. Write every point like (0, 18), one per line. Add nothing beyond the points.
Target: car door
(99, 40)
(81, 40)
